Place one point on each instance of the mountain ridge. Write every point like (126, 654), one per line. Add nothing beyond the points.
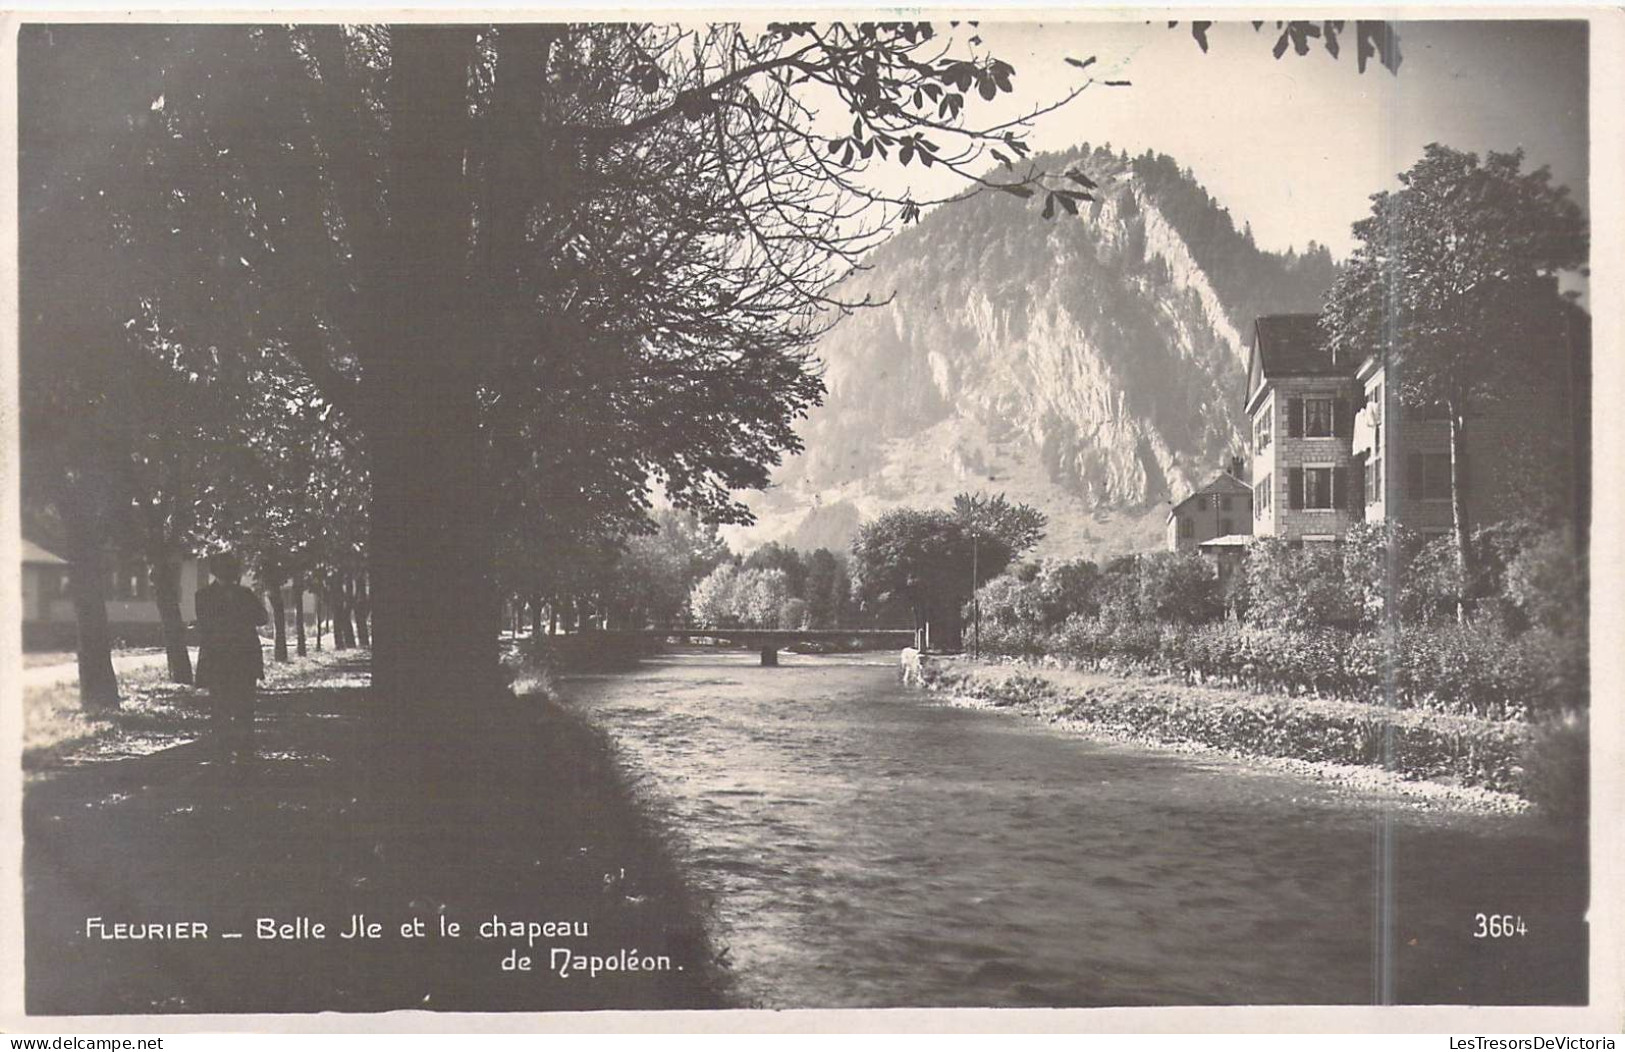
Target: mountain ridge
(1092, 368)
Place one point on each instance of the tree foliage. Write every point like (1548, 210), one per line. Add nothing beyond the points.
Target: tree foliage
(1454, 284)
(932, 561)
(534, 268)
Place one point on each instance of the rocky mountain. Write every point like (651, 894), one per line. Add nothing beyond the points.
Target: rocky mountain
(1090, 367)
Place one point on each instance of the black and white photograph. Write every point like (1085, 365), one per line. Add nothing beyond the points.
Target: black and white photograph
(1046, 510)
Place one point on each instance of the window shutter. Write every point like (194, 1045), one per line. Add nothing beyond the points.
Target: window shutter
(1413, 476)
(1355, 498)
(1340, 487)
(1294, 417)
(1294, 489)
(1342, 420)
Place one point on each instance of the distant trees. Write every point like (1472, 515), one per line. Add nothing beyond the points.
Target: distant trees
(1454, 283)
(775, 587)
(930, 561)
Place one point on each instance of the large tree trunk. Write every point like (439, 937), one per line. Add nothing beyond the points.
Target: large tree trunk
(299, 616)
(318, 592)
(279, 622)
(429, 559)
(340, 615)
(535, 617)
(166, 582)
(362, 610)
(87, 579)
(165, 569)
(1466, 566)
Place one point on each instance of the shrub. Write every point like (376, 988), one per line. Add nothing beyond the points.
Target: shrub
(1431, 585)
(1545, 582)
(1178, 587)
(1557, 767)
(1300, 587)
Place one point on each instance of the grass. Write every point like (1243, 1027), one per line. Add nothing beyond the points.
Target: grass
(153, 714)
(512, 808)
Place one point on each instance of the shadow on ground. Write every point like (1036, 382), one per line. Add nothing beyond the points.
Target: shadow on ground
(516, 814)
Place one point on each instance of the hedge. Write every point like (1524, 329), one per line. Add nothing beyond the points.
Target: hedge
(1472, 668)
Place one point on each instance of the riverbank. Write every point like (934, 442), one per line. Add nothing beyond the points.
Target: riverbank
(1427, 760)
(515, 839)
(865, 846)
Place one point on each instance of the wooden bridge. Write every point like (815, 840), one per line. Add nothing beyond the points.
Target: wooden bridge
(771, 640)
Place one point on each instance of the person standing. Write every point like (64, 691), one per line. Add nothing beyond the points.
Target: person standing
(230, 659)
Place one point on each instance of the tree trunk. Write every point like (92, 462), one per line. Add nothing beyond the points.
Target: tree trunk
(1466, 565)
(299, 616)
(535, 617)
(346, 618)
(165, 570)
(429, 559)
(166, 583)
(318, 591)
(279, 622)
(361, 610)
(87, 579)
(340, 615)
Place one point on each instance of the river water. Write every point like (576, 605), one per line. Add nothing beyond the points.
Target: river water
(862, 844)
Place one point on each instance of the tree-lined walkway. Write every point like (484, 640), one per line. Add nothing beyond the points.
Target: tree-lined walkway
(335, 819)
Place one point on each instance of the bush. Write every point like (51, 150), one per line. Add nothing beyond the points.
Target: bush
(1430, 588)
(1300, 587)
(1557, 767)
(1545, 583)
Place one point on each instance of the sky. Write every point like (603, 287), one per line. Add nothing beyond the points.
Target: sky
(1296, 146)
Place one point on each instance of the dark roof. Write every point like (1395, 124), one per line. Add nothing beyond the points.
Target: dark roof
(1223, 482)
(1292, 345)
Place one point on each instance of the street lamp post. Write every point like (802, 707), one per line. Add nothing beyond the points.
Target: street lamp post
(975, 596)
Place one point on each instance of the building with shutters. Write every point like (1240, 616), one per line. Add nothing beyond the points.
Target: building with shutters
(1332, 445)
(1301, 405)
(1222, 508)
(1527, 455)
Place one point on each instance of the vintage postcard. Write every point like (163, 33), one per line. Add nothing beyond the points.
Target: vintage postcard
(516, 514)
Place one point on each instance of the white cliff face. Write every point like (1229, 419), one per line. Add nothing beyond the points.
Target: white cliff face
(1089, 367)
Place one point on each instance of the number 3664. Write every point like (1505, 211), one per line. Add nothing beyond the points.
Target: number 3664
(1498, 926)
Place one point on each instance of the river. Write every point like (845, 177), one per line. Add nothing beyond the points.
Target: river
(863, 844)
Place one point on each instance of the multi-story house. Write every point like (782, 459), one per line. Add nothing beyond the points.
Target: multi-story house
(1525, 455)
(1301, 405)
(1333, 444)
(1222, 508)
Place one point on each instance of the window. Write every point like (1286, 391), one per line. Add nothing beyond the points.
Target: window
(1187, 527)
(1261, 498)
(1428, 476)
(1317, 488)
(1373, 481)
(1320, 416)
(1320, 488)
(1262, 430)
(1317, 418)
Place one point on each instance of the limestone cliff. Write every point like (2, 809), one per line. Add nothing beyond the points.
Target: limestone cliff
(1092, 367)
